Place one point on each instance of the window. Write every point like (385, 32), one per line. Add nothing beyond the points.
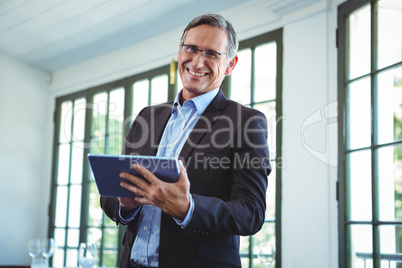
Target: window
(94, 121)
(370, 133)
(97, 119)
(257, 82)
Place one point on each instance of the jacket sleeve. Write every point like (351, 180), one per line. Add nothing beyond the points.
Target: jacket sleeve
(242, 210)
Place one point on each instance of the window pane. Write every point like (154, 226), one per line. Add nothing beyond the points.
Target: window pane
(72, 258)
(74, 206)
(108, 222)
(359, 114)
(389, 112)
(79, 120)
(389, 32)
(241, 78)
(73, 237)
(65, 121)
(390, 182)
(390, 244)
(361, 246)
(159, 89)
(115, 145)
(58, 258)
(179, 83)
(140, 96)
(244, 246)
(95, 211)
(109, 258)
(111, 236)
(98, 145)
(95, 236)
(359, 40)
(244, 243)
(270, 213)
(61, 206)
(269, 110)
(265, 72)
(77, 162)
(359, 177)
(60, 239)
(63, 164)
(244, 262)
(116, 111)
(99, 115)
(264, 244)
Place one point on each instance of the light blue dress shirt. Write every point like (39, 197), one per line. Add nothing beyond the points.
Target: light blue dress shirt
(145, 250)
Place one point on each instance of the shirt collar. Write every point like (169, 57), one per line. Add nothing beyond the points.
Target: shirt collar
(200, 102)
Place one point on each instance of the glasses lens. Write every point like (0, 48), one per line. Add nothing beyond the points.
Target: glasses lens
(206, 54)
(210, 54)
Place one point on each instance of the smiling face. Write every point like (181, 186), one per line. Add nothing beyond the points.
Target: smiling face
(197, 74)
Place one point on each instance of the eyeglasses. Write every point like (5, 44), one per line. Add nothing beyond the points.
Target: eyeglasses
(207, 54)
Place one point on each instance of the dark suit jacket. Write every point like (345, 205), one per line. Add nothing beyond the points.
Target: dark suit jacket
(226, 157)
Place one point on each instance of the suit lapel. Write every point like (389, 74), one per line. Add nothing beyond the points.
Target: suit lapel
(204, 125)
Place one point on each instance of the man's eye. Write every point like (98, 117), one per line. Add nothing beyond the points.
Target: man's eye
(191, 49)
(211, 54)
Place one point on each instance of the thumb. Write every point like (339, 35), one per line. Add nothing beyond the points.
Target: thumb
(182, 167)
(183, 170)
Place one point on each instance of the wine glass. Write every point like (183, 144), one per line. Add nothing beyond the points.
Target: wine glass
(34, 250)
(266, 255)
(48, 247)
(87, 255)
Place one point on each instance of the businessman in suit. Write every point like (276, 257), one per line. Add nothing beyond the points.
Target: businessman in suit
(224, 164)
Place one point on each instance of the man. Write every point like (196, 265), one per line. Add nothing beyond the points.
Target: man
(196, 222)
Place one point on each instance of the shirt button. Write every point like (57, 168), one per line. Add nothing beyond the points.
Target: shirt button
(145, 228)
(142, 259)
(171, 146)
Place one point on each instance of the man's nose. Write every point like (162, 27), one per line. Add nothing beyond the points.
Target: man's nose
(198, 60)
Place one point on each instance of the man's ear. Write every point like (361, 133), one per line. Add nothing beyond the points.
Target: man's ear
(231, 66)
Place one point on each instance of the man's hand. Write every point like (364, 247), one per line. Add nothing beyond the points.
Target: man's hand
(171, 198)
(128, 203)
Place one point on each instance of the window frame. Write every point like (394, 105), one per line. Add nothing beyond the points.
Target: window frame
(344, 223)
(88, 94)
(252, 43)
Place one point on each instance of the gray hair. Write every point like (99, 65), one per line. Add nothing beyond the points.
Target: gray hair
(217, 21)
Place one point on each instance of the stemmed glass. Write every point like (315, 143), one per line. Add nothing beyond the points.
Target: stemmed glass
(48, 247)
(34, 250)
(266, 255)
(87, 255)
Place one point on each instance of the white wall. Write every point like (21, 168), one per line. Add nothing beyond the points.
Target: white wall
(309, 226)
(309, 208)
(24, 158)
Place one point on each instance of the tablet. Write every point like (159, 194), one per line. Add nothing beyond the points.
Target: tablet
(107, 168)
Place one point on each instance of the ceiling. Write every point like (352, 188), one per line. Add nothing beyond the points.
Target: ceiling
(55, 34)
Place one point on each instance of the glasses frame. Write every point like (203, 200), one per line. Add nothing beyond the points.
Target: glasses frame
(203, 51)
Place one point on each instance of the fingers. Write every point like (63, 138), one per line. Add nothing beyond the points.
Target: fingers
(141, 187)
(139, 182)
(145, 173)
(128, 202)
(172, 198)
(134, 184)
